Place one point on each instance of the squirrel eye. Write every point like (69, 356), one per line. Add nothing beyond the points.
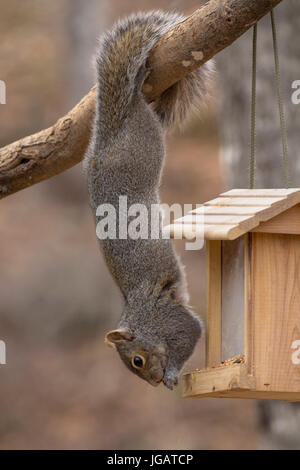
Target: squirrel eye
(138, 362)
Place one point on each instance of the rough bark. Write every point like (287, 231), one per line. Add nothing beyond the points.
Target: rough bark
(49, 152)
(279, 422)
(190, 44)
(200, 37)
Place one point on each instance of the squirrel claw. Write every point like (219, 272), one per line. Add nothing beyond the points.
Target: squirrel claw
(170, 381)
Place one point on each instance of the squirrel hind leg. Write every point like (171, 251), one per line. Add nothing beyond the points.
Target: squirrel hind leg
(174, 105)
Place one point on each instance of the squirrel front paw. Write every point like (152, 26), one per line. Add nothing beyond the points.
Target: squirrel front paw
(170, 379)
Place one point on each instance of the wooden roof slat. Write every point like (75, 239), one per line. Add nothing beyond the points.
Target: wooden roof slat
(210, 219)
(277, 192)
(228, 210)
(211, 232)
(243, 201)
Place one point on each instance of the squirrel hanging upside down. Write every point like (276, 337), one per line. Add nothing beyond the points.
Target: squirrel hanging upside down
(157, 331)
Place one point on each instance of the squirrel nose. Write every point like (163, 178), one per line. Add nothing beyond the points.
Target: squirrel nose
(157, 375)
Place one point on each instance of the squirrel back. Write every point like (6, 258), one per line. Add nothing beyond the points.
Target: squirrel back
(157, 331)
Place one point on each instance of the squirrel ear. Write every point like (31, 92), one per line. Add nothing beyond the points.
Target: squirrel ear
(121, 335)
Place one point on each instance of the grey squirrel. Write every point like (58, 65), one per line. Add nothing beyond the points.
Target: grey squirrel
(157, 331)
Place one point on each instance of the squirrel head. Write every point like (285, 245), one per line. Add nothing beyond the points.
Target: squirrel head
(144, 359)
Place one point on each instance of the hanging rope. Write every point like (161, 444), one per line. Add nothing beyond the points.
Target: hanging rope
(253, 111)
(280, 105)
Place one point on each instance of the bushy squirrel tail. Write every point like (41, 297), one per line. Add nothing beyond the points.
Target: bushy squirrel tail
(121, 69)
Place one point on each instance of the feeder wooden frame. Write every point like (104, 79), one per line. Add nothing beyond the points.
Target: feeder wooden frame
(271, 233)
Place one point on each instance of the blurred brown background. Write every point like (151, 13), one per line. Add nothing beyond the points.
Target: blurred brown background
(61, 387)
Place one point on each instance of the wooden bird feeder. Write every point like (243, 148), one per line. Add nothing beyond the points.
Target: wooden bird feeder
(253, 296)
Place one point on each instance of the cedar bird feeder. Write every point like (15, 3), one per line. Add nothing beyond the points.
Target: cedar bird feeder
(252, 241)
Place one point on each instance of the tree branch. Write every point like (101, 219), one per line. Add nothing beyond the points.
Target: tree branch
(183, 49)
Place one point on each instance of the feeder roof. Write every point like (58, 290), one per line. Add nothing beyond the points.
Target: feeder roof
(235, 213)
